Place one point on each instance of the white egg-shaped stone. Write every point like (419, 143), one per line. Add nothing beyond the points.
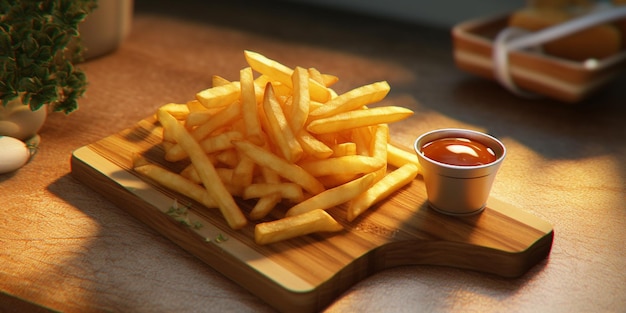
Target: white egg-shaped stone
(13, 154)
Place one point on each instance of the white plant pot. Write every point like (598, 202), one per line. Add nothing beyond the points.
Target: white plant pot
(18, 121)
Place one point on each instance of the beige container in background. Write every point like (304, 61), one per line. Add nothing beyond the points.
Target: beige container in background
(106, 27)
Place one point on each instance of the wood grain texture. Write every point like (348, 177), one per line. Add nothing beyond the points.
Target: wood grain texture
(308, 273)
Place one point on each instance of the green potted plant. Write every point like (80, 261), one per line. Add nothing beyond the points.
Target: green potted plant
(40, 45)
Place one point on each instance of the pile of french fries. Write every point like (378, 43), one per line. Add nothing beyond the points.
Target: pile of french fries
(283, 138)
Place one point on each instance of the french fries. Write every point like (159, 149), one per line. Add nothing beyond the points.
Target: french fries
(333, 197)
(232, 213)
(359, 118)
(294, 226)
(382, 189)
(284, 138)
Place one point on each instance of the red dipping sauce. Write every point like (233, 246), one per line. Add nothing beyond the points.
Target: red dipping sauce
(458, 151)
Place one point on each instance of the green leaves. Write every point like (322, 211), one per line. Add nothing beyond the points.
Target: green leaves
(38, 45)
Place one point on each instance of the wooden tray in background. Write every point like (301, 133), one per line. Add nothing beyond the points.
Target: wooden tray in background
(557, 78)
(307, 273)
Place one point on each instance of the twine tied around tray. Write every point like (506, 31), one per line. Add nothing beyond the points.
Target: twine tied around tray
(514, 38)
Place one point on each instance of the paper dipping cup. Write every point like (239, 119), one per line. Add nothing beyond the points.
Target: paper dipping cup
(458, 189)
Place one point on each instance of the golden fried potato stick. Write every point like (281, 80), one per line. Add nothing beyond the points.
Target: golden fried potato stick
(312, 146)
(179, 111)
(266, 203)
(290, 227)
(344, 149)
(359, 118)
(282, 73)
(332, 181)
(249, 108)
(217, 81)
(176, 183)
(334, 196)
(352, 100)
(218, 192)
(289, 171)
(378, 146)
(279, 130)
(382, 189)
(398, 157)
(243, 173)
(362, 137)
(324, 79)
(349, 164)
(219, 96)
(301, 99)
(195, 106)
(289, 191)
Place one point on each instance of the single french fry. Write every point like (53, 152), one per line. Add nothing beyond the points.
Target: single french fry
(301, 99)
(289, 171)
(289, 191)
(332, 181)
(362, 137)
(190, 173)
(295, 226)
(198, 118)
(219, 96)
(279, 130)
(316, 75)
(349, 164)
(218, 192)
(329, 80)
(266, 203)
(217, 81)
(333, 197)
(379, 142)
(312, 146)
(282, 73)
(324, 79)
(243, 173)
(387, 185)
(179, 111)
(224, 117)
(398, 157)
(314, 105)
(249, 108)
(359, 118)
(352, 100)
(344, 149)
(177, 183)
(195, 106)
(378, 148)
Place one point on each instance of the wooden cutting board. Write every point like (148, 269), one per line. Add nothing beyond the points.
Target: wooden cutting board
(307, 273)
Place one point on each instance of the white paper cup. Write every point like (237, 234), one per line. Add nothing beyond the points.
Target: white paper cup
(458, 189)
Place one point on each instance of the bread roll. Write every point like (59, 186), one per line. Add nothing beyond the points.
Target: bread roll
(596, 42)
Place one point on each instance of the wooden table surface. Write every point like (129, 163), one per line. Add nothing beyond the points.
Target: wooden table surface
(66, 248)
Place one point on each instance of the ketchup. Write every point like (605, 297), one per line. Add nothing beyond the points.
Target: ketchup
(458, 151)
